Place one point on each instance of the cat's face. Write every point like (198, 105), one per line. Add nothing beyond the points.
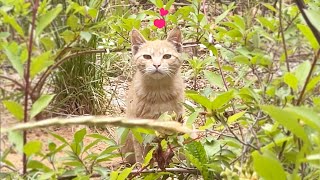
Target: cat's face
(157, 59)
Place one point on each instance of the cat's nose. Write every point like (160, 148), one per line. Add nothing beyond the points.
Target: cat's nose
(156, 65)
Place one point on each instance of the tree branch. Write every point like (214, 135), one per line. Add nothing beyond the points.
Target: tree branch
(27, 78)
(168, 126)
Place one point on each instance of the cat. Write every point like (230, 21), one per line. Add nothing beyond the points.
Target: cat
(157, 86)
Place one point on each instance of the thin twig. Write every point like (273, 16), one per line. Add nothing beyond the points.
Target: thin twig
(315, 59)
(27, 79)
(282, 36)
(12, 80)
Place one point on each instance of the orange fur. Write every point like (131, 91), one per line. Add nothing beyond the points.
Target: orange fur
(157, 86)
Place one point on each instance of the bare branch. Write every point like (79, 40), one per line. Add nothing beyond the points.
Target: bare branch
(167, 126)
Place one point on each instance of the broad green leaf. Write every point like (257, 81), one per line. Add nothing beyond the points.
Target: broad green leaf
(125, 173)
(16, 138)
(268, 23)
(214, 79)
(222, 99)
(198, 157)
(60, 138)
(159, 3)
(14, 108)
(33, 164)
(307, 115)
(309, 35)
(11, 20)
(114, 175)
(79, 135)
(168, 5)
(291, 80)
(314, 17)
(301, 72)
(269, 6)
(202, 100)
(68, 36)
(12, 53)
(148, 157)
(288, 119)
(40, 104)
(221, 16)
(313, 83)
(235, 117)
(32, 147)
(86, 35)
(192, 118)
(73, 22)
(39, 63)
(268, 166)
(241, 59)
(47, 18)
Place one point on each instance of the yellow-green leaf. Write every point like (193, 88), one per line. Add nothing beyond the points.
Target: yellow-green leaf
(47, 18)
(14, 108)
(40, 104)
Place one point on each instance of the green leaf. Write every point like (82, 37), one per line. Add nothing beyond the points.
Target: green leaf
(222, 99)
(32, 147)
(33, 164)
(269, 6)
(214, 79)
(291, 80)
(221, 16)
(125, 173)
(235, 117)
(198, 157)
(314, 17)
(309, 35)
(12, 53)
(158, 3)
(202, 100)
(114, 175)
(11, 20)
(168, 5)
(73, 22)
(39, 63)
(47, 18)
(60, 138)
(148, 157)
(79, 135)
(86, 35)
(301, 72)
(40, 104)
(307, 115)
(16, 138)
(288, 119)
(313, 83)
(14, 108)
(268, 166)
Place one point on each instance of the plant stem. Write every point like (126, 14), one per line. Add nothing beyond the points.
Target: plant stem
(27, 80)
(282, 36)
(315, 59)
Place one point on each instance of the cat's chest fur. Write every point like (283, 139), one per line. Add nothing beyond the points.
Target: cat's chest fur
(149, 98)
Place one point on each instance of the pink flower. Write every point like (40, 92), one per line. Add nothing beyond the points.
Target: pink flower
(159, 23)
(163, 12)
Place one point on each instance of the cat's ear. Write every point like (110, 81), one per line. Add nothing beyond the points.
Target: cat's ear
(175, 38)
(136, 41)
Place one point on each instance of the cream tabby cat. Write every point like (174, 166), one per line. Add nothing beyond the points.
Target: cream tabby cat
(157, 86)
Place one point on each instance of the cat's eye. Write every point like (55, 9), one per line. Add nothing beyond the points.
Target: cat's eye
(146, 56)
(167, 56)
